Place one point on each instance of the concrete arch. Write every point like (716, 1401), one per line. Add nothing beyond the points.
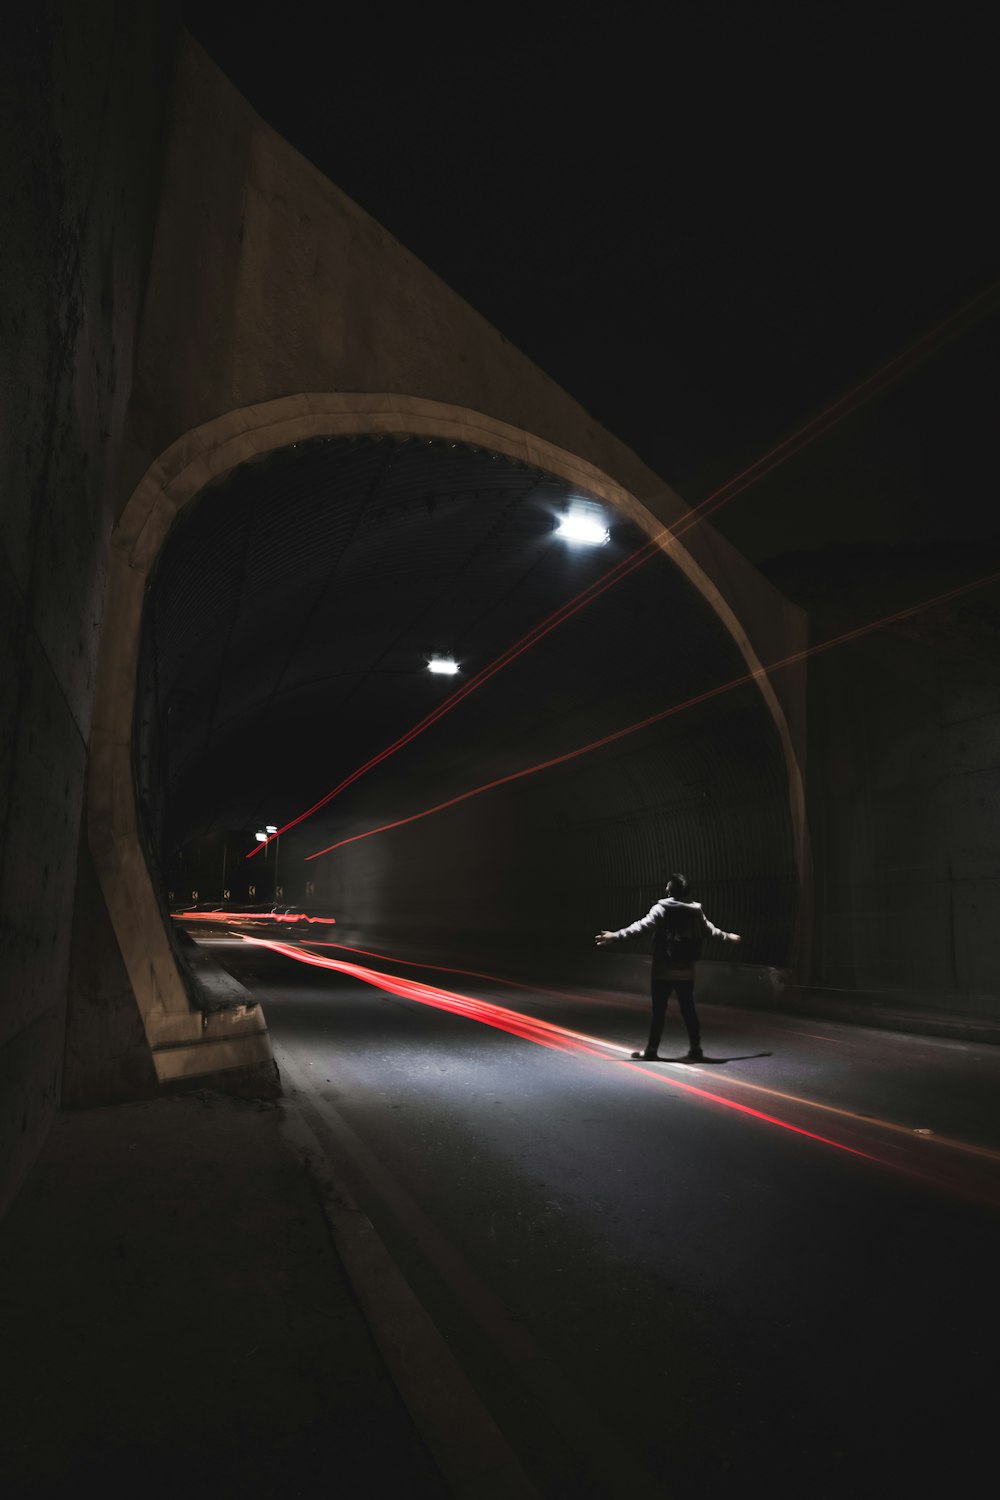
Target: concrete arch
(186, 1043)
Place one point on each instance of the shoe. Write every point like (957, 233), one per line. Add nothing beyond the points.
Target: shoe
(695, 1054)
(647, 1056)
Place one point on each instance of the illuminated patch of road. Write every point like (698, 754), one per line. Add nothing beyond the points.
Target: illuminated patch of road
(855, 1116)
(410, 963)
(544, 1033)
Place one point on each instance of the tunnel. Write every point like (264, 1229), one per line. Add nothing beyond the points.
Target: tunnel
(287, 632)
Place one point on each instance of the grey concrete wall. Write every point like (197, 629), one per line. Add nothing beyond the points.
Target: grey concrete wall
(532, 872)
(84, 91)
(904, 812)
(268, 281)
(107, 1058)
(264, 282)
(279, 311)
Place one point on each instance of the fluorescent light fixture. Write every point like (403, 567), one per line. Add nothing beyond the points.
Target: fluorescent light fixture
(261, 838)
(446, 666)
(270, 828)
(578, 527)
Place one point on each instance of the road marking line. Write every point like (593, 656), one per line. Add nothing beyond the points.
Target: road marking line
(579, 1426)
(547, 1033)
(986, 1152)
(473, 1454)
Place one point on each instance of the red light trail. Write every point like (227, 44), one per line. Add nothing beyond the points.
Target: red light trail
(543, 1033)
(546, 1033)
(251, 916)
(666, 713)
(823, 422)
(411, 963)
(867, 1119)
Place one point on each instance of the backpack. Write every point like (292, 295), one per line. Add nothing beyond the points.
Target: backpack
(678, 938)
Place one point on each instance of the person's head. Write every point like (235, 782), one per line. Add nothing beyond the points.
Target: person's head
(677, 886)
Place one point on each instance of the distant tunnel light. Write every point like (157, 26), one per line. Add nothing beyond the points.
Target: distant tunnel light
(576, 527)
(446, 666)
(261, 838)
(269, 828)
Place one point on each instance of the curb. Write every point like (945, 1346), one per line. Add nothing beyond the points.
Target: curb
(948, 1028)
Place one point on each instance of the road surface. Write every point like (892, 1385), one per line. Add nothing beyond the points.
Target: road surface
(777, 1269)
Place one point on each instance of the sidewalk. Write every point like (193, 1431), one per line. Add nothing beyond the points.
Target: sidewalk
(960, 1027)
(175, 1321)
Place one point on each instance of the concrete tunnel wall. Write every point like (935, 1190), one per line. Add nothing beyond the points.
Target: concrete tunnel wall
(85, 97)
(269, 307)
(519, 882)
(282, 644)
(275, 304)
(267, 282)
(175, 1031)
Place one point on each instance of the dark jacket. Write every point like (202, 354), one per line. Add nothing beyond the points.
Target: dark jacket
(679, 930)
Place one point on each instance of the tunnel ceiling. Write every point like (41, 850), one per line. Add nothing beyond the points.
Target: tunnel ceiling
(294, 606)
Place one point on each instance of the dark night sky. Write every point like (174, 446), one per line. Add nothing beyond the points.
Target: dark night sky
(704, 235)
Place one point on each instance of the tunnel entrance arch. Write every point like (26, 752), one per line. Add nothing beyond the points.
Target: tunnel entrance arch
(185, 1042)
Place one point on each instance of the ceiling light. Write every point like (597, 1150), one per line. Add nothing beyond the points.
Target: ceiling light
(261, 838)
(575, 527)
(447, 666)
(270, 828)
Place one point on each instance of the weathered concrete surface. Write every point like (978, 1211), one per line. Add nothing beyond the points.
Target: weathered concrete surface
(84, 96)
(905, 782)
(274, 308)
(911, 872)
(268, 282)
(107, 1058)
(176, 479)
(278, 311)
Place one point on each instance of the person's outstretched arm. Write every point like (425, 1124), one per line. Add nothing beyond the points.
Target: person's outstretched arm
(712, 931)
(633, 930)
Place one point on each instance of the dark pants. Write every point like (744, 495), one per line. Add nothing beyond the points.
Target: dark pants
(661, 991)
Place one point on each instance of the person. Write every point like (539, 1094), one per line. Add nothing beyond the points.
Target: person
(679, 928)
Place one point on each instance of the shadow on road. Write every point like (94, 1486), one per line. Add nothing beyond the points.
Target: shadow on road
(706, 1061)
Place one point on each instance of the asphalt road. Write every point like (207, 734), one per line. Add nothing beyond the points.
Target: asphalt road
(778, 1268)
